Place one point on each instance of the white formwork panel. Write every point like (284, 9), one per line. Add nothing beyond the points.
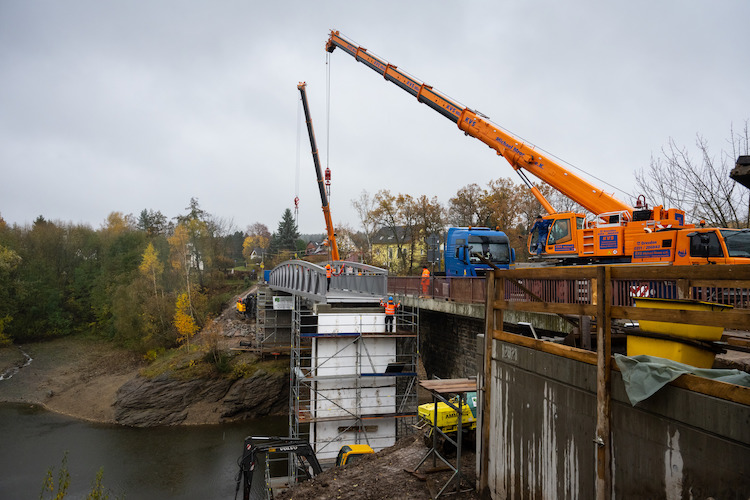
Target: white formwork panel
(343, 323)
(331, 436)
(340, 389)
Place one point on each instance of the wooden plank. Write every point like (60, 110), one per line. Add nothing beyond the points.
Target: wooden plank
(603, 390)
(733, 318)
(707, 272)
(449, 386)
(716, 388)
(547, 307)
(566, 351)
(486, 389)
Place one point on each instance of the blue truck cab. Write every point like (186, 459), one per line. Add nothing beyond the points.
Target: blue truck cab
(463, 243)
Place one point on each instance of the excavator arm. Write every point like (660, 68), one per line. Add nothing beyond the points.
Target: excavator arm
(321, 186)
(522, 157)
(258, 445)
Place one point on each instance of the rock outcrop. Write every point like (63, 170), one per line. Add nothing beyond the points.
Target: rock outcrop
(143, 402)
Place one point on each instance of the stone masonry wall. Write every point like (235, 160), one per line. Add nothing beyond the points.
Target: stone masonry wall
(448, 344)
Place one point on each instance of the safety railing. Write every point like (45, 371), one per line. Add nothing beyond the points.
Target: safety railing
(459, 289)
(309, 280)
(647, 282)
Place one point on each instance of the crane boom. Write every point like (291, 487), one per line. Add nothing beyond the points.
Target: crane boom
(522, 157)
(323, 198)
(615, 233)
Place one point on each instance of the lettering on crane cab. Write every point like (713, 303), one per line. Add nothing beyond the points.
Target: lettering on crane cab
(565, 248)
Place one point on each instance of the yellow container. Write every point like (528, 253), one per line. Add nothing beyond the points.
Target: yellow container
(676, 351)
(699, 332)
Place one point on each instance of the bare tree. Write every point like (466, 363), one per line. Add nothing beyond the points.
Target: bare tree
(364, 205)
(701, 187)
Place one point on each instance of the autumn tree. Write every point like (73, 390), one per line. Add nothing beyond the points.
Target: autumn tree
(184, 319)
(466, 208)
(9, 262)
(258, 236)
(698, 181)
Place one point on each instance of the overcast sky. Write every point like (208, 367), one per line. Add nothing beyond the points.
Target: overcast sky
(132, 105)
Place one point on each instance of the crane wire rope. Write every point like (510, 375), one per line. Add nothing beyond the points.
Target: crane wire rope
(297, 166)
(328, 116)
(520, 138)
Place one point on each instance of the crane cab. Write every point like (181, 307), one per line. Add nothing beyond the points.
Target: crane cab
(557, 234)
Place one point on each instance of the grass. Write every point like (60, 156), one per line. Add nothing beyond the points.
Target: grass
(187, 364)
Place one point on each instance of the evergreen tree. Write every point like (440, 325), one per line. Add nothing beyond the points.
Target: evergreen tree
(285, 237)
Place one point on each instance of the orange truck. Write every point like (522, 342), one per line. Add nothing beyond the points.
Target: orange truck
(617, 233)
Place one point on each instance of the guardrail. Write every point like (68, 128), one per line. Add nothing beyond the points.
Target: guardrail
(664, 282)
(351, 279)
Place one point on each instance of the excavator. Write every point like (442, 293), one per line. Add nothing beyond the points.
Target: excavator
(257, 447)
(323, 197)
(615, 233)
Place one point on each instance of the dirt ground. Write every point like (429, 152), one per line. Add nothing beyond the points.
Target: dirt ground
(71, 376)
(387, 475)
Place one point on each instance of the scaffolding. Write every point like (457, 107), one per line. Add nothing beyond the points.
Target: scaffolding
(351, 381)
(273, 320)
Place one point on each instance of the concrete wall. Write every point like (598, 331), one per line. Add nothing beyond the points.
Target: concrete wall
(677, 444)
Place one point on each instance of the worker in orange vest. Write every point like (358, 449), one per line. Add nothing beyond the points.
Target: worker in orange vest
(390, 313)
(425, 280)
(329, 273)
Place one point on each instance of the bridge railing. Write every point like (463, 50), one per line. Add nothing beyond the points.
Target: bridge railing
(459, 289)
(309, 280)
(577, 289)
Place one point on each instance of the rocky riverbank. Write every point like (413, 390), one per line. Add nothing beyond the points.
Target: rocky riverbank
(94, 380)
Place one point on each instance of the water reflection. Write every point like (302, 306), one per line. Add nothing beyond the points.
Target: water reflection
(197, 462)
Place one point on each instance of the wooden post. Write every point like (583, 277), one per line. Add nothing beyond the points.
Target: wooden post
(489, 327)
(585, 330)
(603, 371)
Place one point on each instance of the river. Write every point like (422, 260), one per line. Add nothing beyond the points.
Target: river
(184, 462)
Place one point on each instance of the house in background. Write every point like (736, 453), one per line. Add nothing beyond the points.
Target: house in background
(393, 250)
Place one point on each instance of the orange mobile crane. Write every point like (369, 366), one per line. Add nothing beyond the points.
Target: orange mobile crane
(323, 198)
(617, 233)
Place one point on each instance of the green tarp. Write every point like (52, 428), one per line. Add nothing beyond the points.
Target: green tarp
(645, 375)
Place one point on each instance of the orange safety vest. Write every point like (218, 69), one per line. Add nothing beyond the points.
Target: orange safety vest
(425, 273)
(329, 271)
(390, 308)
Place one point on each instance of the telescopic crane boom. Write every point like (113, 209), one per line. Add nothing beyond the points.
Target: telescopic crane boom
(518, 154)
(323, 198)
(615, 233)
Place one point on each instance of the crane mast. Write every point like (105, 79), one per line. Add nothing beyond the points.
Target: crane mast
(522, 157)
(321, 186)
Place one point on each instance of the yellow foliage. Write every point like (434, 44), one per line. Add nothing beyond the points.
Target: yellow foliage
(150, 264)
(183, 319)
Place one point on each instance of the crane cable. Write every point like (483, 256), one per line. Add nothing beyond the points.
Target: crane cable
(297, 166)
(328, 122)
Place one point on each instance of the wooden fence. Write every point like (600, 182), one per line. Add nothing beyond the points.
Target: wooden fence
(606, 293)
